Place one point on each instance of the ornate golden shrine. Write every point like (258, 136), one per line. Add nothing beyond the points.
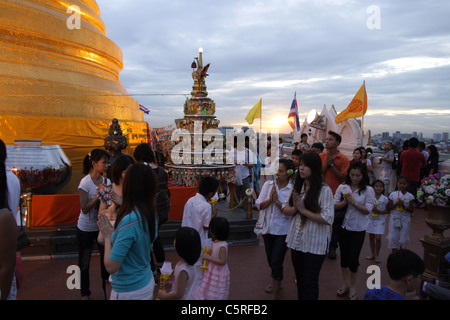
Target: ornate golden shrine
(199, 110)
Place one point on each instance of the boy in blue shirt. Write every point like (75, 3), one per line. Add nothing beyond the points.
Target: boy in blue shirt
(404, 268)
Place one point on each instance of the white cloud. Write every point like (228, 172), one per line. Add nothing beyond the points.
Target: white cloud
(406, 64)
(320, 49)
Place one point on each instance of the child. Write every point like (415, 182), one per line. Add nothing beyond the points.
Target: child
(216, 281)
(377, 220)
(304, 145)
(188, 246)
(401, 206)
(317, 147)
(404, 268)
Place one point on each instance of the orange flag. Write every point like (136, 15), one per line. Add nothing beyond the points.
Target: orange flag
(357, 108)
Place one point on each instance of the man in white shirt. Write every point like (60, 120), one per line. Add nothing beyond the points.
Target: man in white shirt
(198, 211)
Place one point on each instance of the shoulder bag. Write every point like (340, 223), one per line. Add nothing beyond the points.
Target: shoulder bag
(262, 225)
(339, 214)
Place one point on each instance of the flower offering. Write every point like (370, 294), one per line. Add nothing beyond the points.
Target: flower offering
(435, 190)
(166, 271)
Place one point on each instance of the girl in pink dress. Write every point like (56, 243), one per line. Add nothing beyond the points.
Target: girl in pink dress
(216, 281)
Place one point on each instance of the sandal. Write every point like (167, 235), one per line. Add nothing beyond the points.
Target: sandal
(342, 291)
(353, 296)
(268, 288)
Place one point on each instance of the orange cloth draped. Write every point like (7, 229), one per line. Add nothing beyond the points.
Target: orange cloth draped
(49, 210)
(178, 198)
(76, 137)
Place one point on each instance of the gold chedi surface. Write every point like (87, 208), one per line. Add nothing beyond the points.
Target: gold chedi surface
(49, 69)
(60, 84)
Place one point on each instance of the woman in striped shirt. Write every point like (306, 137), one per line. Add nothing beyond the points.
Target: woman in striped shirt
(309, 232)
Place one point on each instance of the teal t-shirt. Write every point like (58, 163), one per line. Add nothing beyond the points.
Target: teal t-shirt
(131, 246)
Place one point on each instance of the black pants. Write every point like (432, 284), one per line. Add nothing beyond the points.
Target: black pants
(275, 251)
(85, 244)
(334, 243)
(351, 243)
(307, 269)
(412, 188)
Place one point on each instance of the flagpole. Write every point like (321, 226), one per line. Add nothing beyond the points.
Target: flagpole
(260, 119)
(362, 123)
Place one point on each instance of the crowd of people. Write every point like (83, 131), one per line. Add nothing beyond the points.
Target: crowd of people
(333, 204)
(316, 202)
(124, 215)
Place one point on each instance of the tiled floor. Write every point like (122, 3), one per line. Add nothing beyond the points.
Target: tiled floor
(46, 279)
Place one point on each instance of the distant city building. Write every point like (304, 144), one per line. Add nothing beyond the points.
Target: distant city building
(405, 136)
(445, 136)
(437, 137)
(385, 135)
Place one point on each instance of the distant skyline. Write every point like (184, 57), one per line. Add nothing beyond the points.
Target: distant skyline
(437, 136)
(323, 50)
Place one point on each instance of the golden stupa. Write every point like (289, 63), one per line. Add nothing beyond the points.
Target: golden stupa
(60, 83)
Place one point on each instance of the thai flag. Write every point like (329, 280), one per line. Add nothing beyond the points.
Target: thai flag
(293, 119)
(144, 109)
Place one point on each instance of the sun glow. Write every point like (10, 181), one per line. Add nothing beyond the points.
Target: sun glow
(278, 122)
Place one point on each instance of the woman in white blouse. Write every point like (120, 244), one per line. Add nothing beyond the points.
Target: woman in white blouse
(309, 230)
(360, 199)
(273, 195)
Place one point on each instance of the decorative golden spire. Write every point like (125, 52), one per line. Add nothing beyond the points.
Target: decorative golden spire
(199, 104)
(199, 76)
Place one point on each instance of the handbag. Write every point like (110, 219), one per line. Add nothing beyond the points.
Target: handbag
(262, 224)
(22, 238)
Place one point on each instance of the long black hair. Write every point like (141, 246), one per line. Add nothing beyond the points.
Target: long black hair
(120, 165)
(311, 160)
(139, 193)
